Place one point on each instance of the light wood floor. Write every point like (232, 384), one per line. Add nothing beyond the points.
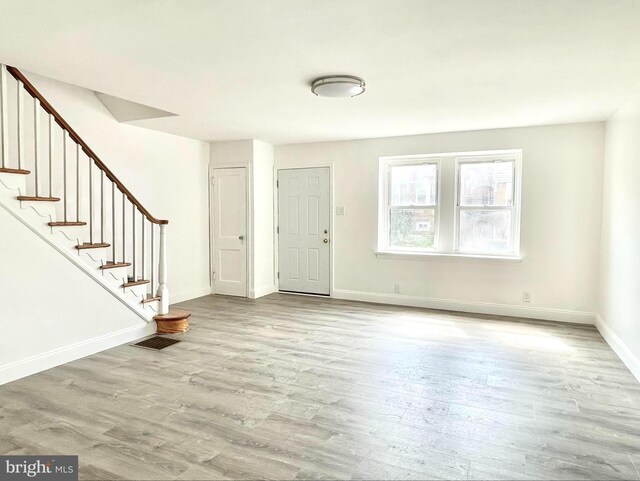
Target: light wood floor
(296, 387)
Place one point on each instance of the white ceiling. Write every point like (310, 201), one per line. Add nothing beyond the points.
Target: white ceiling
(237, 69)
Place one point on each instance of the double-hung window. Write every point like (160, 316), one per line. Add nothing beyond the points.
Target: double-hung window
(412, 206)
(451, 204)
(486, 212)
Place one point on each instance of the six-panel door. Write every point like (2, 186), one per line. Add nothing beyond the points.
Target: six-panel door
(304, 237)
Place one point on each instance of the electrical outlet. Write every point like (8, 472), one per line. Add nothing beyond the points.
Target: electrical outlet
(526, 296)
(396, 288)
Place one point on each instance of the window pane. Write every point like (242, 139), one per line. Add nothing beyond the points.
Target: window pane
(487, 231)
(414, 228)
(486, 183)
(414, 184)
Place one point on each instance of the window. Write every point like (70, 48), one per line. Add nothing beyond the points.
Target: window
(412, 205)
(485, 208)
(452, 204)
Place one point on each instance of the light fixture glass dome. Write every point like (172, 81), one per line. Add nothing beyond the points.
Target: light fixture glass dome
(338, 86)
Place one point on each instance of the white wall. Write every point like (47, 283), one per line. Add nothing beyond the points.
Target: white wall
(232, 153)
(619, 307)
(561, 214)
(258, 158)
(166, 173)
(52, 312)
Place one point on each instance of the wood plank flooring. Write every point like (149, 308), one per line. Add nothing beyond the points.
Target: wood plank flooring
(291, 387)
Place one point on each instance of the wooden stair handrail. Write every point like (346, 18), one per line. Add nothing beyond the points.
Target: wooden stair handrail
(78, 140)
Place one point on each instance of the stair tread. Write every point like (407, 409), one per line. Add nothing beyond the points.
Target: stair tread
(5, 170)
(173, 315)
(66, 224)
(114, 265)
(92, 246)
(38, 199)
(151, 299)
(139, 282)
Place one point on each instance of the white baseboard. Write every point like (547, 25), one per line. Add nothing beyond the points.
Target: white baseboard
(543, 313)
(262, 291)
(47, 360)
(185, 296)
(619, 347)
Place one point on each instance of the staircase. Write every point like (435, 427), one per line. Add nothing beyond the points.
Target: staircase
(53, 182)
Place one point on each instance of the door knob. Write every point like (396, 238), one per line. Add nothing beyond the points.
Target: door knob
(241, 237)
(326, 241)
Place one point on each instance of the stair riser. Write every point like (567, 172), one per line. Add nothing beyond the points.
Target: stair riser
(75, 233)
(46, 210)
(13, 181)
(140, 290)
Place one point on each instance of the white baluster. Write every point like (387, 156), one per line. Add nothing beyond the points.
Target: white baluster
(51, 123)
(64, 172)
(163, 291)
(36, 140)
(4, 126)
(20, 124)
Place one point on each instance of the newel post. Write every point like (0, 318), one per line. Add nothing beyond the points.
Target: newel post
(163, 291)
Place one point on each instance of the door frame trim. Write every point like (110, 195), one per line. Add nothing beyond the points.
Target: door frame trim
(248, 217)
(276, 215)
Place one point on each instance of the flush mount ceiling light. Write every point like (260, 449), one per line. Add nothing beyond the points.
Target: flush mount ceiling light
(337, 86)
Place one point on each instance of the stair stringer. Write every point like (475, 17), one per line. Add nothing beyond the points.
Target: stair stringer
(37, 217)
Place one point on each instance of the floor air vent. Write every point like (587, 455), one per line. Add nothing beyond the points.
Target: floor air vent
(156, 342)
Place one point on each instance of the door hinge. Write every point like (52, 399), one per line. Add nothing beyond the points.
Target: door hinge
(278, 275)
(213, 180)
(278, 229)
(277, 184)
(214, 275)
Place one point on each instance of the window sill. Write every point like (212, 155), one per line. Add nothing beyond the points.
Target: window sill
(413, 255)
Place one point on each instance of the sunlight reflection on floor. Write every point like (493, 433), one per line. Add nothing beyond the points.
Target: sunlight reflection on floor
(538, 341)
(415, 327)
(508, 334)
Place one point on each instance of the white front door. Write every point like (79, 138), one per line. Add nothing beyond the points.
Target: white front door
(229, 232)
(304, 237)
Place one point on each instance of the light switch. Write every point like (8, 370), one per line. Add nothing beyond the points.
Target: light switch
(340, 210)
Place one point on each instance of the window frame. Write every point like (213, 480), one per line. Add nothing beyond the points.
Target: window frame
(384, 232)
(447, 208)
(514, 208)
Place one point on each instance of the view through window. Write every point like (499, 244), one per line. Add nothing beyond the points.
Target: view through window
(412, 209)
